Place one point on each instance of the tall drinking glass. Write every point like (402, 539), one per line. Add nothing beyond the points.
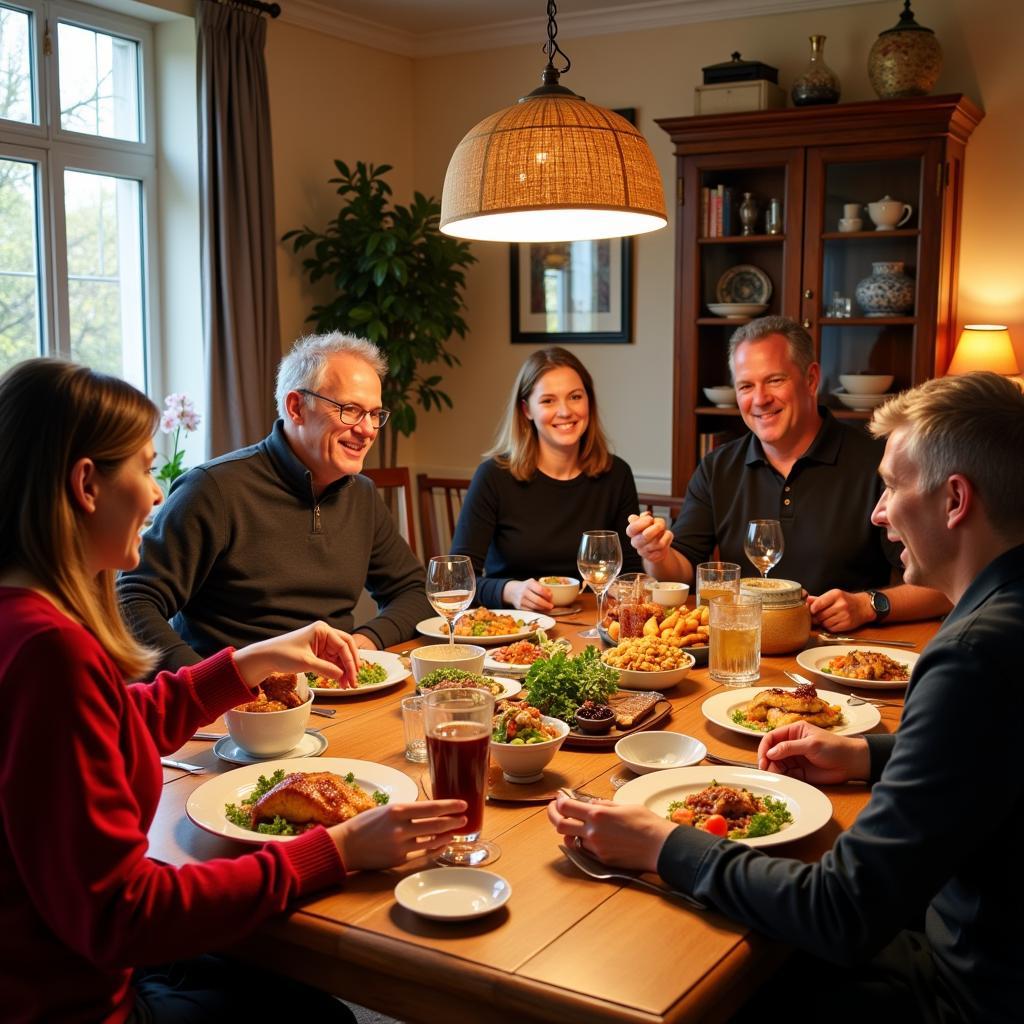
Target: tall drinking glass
(458, 728)
(451, 584)
(599, 560)
(717, 579)
(764, 544)
(735, 634)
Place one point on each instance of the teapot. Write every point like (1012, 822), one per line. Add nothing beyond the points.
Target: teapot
(889, 213)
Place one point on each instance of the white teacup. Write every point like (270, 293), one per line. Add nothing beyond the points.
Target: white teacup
(851, 210)
(850, 223)
(889, 213)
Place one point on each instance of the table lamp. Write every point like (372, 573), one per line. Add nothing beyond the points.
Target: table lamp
(984, 347)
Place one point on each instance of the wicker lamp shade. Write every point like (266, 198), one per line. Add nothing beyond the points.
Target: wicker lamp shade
(552, 168)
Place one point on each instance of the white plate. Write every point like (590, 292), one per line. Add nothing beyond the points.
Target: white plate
(505, 667)
(453, 894)
(509, 687)
(205, 807)
(815, 656)
(744, 283)
(533, 621)
(737, 309)
(810, 808)
(719, 709)
(392, 662)
(312, 744)
(861, 402)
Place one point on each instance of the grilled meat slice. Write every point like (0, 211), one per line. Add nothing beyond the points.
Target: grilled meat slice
(321, 798)
(804, 699)
(631, 708)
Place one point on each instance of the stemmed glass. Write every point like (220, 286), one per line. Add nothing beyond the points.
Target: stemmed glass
(764, 544)
(451, 584)
(599, 560)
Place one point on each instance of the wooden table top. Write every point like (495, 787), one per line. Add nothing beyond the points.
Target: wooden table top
(565, 948)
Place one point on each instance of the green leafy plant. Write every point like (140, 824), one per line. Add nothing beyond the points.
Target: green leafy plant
(397, 281)
(179, 414)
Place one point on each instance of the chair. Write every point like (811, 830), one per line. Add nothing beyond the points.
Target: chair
(398, 480)
(440, 503)
(668, 505)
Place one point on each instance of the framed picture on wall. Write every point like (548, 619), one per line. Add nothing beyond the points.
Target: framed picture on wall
(572, 291)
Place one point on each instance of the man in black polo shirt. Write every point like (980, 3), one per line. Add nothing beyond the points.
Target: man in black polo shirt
(799, 465)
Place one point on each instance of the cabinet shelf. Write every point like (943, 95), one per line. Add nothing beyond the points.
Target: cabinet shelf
(854, 236)
(743, 240)
(865, 321)
(724, 321)
(714, 410)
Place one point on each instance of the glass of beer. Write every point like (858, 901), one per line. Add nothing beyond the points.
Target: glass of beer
(735, 632)
(716, 579)
(458, 728)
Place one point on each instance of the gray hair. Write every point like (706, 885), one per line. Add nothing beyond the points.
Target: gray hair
(973, 425)
(306, 363)
(801, 347)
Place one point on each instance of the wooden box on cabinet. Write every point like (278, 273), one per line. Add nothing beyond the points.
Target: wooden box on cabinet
(814, 161)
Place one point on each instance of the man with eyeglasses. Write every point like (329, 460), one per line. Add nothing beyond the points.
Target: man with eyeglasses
(260, 541)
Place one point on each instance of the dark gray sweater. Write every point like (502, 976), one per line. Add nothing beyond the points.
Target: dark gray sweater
(241, 551)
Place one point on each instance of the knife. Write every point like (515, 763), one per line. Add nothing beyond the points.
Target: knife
(192, 769)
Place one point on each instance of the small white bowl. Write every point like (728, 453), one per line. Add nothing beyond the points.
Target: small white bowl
(866, 383)
(526, 762)
(722, 395)
(561, 593)
(646, 752)
(634, 679)
(860, 402)
(446, 895)
(668, 594)
(270, 733)
(468, 657)
(733, 310)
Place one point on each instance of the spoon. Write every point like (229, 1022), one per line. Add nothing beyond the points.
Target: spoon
(832, 638)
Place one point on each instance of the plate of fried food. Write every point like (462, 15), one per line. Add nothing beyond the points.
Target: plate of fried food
(377, 670)
(680, 626)
(487, 626)
(274, 801)
(860, 665)
(755, 710)
(648, 663)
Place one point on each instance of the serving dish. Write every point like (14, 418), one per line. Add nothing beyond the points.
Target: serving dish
(646, 752)
(744, 283)
(814, 657)
(735, 310)
(720, 707)
(312, 744)
(392, 662)
(532, 622)
(635, 679)
(698, 653)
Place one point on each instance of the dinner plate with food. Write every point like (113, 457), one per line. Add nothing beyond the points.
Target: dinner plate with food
(377, 671)
(516, 659)
(276, 800)
(755, 710)
(860, 665)
(457, 679)
(488, 626)
(744, 804)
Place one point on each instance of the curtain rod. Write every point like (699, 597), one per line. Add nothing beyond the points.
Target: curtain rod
(274, 10)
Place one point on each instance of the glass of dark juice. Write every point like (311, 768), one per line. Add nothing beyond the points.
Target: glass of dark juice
(458, 728)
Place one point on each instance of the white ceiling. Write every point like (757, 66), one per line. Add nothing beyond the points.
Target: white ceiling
(425, 28)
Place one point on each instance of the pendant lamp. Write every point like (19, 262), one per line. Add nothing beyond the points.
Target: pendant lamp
(552, 168)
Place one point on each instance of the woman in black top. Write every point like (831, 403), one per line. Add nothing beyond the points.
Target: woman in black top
(548, 478)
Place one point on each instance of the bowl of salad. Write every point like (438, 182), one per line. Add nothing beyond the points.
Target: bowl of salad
(563, 589)
(523, 741)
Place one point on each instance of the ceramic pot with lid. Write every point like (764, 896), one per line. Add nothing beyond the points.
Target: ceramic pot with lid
(785, 620)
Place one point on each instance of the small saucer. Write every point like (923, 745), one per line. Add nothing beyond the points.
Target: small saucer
(313, 744)
(452, 894)
(560, 610)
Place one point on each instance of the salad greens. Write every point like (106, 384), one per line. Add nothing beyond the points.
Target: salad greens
(769, 821)
(560, 684)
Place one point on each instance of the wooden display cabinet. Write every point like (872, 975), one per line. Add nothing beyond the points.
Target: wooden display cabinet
(815, 160)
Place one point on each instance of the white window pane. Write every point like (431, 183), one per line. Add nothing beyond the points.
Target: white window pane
(20, 336)
(105, 291)
(99, 83)
(16, 66)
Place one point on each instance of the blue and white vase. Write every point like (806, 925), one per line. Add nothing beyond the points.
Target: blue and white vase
(887, 292)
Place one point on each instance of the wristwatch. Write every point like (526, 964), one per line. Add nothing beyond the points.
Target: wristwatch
(879, 604)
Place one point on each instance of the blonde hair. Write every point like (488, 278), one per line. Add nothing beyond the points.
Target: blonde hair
(53, 413)
(972, 425)
(516, 446)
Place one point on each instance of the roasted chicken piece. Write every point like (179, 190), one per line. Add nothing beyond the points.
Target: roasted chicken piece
(829, 716)
(321, 798)
(804, 699)
(281, 687)
(727, 801)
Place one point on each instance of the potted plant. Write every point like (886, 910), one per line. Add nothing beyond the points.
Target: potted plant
(397, 281)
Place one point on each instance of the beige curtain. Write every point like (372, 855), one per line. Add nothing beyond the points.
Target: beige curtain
(240, 313)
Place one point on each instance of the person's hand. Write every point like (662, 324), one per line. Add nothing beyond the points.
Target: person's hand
(529, 595)
(315, 648)
(386, 836)
(363, 642)
(837, 610)
(620, 835)
(649, 535)
(806, 752)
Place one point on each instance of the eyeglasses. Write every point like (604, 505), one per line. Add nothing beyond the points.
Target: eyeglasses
(351, 414)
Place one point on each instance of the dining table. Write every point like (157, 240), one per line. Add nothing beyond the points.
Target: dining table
(564, 947)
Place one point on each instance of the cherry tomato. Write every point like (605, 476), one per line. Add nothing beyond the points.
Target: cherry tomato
(716, 825)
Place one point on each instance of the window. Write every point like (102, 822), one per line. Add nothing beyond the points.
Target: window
(76, 188)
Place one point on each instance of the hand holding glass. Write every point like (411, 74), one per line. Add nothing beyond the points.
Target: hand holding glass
(599, 560)
(451, 584)
(764, 544)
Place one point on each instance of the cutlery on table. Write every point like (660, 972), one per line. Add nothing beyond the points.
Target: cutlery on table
(831, 638)
(854, 701)
(715, 759)
(803, 680)
(595, 869)
(208, 735)
(324, 712)
(192, 769)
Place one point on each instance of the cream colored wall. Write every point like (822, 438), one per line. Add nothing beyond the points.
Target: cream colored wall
(655, 71)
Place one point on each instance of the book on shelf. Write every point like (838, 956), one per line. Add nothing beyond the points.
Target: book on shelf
(709, 442)
(716, 219)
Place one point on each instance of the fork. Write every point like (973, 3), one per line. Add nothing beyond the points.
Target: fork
(594, 869)
(832, 638)
(715, 759)
(854, 701)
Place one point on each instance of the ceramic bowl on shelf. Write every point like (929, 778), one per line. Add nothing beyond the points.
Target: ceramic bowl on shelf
(860, 402)
(866, 383)
(733, 310)
(723, 395)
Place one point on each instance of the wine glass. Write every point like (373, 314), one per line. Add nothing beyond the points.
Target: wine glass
(451, 584)
(764, 544)
(599, 560)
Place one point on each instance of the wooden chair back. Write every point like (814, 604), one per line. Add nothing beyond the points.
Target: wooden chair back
(668, 506)
(440, 503)
(397, 480)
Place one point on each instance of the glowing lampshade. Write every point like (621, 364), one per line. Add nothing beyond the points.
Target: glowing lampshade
(984, 347)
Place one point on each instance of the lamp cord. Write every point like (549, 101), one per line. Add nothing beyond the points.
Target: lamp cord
(551, 47)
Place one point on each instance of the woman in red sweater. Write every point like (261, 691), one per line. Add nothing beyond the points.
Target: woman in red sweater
(81, 904)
